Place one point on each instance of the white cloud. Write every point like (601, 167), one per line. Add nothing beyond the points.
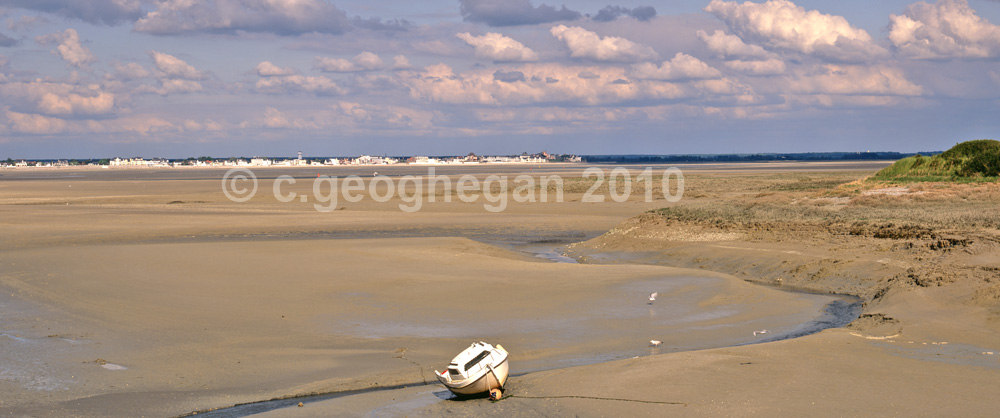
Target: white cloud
(853, 80)
(680, 67)
(267, 69)
(583, 43)
(782, 24)
(945, 29)
(53, 104)
(206, 126)
(130, 70)
(174, 67)
(34, 124)
(374, 116)
(365, 61)
(726, 45)
(69, 47)
(399, 62)
(548, 83)
(368, 61)
(283, 17)
(499, 48)
(761, 67)
(281, 85)
(276, 119)
(58, 99)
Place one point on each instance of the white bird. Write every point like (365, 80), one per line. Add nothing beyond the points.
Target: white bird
(655, 343)
(652, 297)
(763, 331)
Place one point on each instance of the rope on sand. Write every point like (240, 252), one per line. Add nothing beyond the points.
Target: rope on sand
(597, 398)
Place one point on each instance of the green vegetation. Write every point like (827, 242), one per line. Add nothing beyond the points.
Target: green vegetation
(970, 161)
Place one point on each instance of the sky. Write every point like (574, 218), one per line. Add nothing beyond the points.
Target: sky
(180, 78)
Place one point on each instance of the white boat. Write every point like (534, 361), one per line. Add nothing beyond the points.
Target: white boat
(478, 369)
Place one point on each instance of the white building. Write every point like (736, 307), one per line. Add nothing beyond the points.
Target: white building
(260, 162)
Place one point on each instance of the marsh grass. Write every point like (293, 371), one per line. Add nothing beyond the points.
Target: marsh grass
(837, 202)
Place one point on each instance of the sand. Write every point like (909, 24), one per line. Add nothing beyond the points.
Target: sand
(144, 294)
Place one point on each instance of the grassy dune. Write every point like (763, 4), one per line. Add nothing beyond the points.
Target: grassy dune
(970, 161)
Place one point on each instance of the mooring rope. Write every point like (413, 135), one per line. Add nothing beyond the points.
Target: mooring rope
(597, 398)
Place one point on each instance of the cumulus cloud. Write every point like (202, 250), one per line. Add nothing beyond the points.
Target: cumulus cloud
(69, 47)
(854, 80)
(499, 48)
(267, 69)
(174, 67)
(34, 124)
(554, 83)
(726, 45)
(108, 12)
(58, 99)
(945, 29)
(583, 43)
(399, 62)
(365, 61)
(54, 104)
(785, 25)
(282, 17)
(681, 67)
(609, 13)
(384, 117)
(762, 67)
(281, 85)
(513, 12)
(130, 71)
(276, 119)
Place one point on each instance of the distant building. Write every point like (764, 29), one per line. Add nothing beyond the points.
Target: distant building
(260, 162)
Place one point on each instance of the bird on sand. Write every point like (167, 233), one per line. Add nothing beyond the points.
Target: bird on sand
(763, 331)
(655, 343)
(652, 297)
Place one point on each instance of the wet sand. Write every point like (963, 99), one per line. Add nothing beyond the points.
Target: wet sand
(118, 301)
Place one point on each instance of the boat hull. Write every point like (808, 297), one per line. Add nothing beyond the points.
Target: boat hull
(492, 379)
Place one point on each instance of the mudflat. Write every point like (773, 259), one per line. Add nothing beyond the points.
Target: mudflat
(139, 293)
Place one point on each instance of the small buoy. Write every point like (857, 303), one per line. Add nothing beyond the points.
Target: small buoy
(495, 394)
(300, 404)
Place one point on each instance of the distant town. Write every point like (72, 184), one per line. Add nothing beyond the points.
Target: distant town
(299, 161)
(471, 158)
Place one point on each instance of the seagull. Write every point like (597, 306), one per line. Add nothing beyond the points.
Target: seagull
(763, 331)
(652, 297)
(655, 343)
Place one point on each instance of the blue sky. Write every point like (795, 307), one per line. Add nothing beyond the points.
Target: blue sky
(176, 78)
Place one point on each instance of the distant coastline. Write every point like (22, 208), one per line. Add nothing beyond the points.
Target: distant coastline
(539, 158)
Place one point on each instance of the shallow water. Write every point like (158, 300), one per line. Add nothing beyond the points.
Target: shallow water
(617, 327)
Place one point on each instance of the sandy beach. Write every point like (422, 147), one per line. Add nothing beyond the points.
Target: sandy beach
(147, 293)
